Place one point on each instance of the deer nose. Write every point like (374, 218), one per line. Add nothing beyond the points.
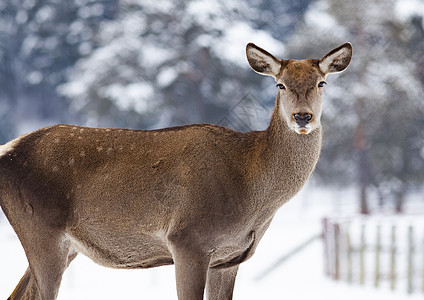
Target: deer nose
(302, 119)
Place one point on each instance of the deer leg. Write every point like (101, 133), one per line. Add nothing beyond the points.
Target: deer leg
(49, 254)
(190, 273)
(220, 283)
(191, 267)
(48, 267)
(27, 287)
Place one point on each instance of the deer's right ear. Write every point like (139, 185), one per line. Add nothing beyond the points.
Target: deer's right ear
(262, 61)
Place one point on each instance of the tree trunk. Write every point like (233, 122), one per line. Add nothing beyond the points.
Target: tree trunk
(363, 164)
(400, 199)
(363, 199)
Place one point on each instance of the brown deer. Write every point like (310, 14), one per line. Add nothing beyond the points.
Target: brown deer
(197, 196)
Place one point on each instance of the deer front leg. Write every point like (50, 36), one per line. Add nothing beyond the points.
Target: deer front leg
(191, 267)
(28, 288)
(220, 283)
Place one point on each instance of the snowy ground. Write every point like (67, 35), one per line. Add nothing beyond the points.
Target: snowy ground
(301, 277)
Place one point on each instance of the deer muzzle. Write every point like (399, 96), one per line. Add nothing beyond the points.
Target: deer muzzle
(303, 122)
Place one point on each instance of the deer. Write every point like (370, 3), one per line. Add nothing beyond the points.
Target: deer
(197, 196)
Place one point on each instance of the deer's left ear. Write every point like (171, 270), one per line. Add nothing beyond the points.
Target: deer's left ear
(337, 60)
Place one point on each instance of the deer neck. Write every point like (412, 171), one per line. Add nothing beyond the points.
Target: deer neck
(286, 159)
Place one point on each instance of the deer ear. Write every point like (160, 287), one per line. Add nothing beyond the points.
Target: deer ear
(262, 61)
(337, 60)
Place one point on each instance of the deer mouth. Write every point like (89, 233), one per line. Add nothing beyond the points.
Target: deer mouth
(302, 122)
(305, 129)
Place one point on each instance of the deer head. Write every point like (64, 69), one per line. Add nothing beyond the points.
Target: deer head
(300, 82)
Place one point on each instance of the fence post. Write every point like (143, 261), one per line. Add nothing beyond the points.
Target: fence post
(422, 273)
(337, 251)
(362, 256)
(326, 246)
(410, 259)
(377, 257)
(393, 259)
(349, 255)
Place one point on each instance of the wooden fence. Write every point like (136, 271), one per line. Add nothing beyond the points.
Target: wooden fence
(384, 252)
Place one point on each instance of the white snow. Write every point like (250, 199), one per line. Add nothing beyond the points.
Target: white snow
(34, 77)
(132, 96)
(235, 32)
(206, 11)
(407, 8)
(301, 277)
(44, 13)
(154, 55)
(166, 76)
(320, 17)
(232, 45)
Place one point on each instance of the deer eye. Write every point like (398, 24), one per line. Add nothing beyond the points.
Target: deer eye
(281, 86)
(322, 83)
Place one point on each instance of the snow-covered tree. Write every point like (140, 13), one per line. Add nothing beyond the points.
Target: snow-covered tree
(39, 41)
(166, 63)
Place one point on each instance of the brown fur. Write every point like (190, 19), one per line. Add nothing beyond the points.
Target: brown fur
(197, 196)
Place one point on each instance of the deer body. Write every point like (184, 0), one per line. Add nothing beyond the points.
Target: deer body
(197, 196)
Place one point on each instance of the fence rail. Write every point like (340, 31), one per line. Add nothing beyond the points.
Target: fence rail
(376, 253)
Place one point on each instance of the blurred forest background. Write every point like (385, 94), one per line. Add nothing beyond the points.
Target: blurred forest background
(156, 63)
